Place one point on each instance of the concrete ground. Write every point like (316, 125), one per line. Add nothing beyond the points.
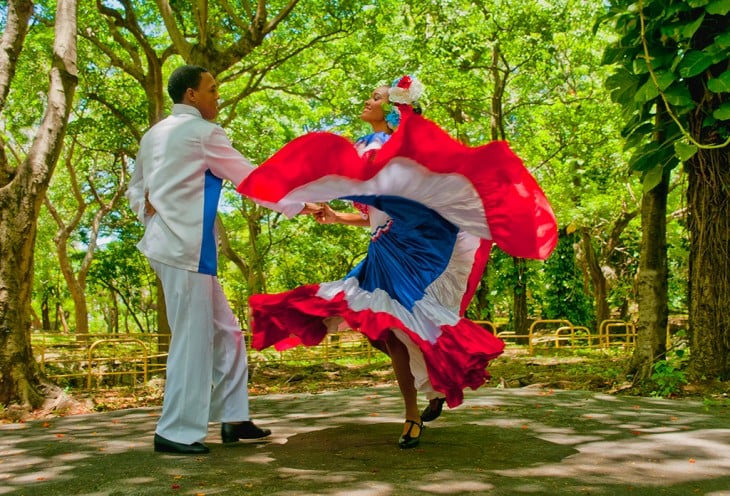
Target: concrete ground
(499, 442)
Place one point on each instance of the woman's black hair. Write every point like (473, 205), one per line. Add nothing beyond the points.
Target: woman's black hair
(182, 78)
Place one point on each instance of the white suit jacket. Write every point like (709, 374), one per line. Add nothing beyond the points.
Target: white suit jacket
(181, 164)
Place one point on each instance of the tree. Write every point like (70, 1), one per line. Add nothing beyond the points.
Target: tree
(68, 218)
(526, 72)
(23, 183)
(220, 38)
(672, 79)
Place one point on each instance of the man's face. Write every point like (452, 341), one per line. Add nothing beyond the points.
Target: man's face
(205, 97)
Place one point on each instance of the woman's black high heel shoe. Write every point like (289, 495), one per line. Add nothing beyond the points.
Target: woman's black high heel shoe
(408, 440)
(430, 413)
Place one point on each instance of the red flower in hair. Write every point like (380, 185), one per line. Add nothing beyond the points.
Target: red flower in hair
(405, 82)
(407, 90)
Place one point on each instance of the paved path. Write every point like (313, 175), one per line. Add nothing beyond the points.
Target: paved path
(499, 442)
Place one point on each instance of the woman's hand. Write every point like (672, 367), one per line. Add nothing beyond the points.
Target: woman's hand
(329, 216)
(326, 215)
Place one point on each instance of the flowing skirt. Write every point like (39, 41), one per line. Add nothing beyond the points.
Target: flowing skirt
(446, 204)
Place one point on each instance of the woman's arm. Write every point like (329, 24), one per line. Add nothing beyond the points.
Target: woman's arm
(329, 216)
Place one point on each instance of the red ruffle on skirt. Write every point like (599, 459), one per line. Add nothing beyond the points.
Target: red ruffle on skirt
(455, 361)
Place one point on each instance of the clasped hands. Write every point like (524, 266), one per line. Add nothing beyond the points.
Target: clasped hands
(321, 212)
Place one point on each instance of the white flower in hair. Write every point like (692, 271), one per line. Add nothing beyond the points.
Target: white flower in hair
(406, 90)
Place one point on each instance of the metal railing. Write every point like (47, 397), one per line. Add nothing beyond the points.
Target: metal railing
(101, 360)
(85, 360)
(561, 333)
(94, 361)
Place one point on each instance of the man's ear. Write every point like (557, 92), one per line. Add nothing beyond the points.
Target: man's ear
(189, 96)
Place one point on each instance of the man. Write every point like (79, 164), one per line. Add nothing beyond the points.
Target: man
(174, 191)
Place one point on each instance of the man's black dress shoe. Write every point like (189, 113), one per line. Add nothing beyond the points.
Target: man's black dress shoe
(166, 446)
(230, 433)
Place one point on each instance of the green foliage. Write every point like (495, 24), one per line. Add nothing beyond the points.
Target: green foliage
(565, 297)
(667, 376)
(503, 279)
(670, 60)
(121, 272)
(313, 73)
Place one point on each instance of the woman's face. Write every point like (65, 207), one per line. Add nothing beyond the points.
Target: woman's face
(373, 111)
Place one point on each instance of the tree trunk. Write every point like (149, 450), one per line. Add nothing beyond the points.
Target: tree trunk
(45, 315)
(163, 325)
(256, 278)
(21, 195)
(112, 315)
(600, 286)
(481, 297)
(519, 291)
(652, 282)
(708, 201)
(81, 310)
(76, 282)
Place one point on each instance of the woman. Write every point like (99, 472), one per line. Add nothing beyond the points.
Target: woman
(434, 208)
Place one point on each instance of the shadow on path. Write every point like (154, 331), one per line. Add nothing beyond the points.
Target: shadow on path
(499, 442)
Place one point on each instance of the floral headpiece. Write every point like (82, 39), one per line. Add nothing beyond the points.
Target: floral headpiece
(405, 90)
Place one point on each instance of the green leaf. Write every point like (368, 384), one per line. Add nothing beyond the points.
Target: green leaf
(663, 58)
(640, 66)
(671, 31)
(693, 63)
(639, 134)
(722, 113)
(665, 79)
(716, 52)
(690, 29)
(676, 10)
(718, 7)
(720, 84)
(684, 151)
(651, 178)
(623, 86)
(621, 79)
(611, 55)
(681, 31)
(647, 92)
(644, 158)
(654, 154)
(723, 40)
(697, 3)
(679, 96)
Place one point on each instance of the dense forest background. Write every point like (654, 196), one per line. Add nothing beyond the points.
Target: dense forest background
(610, 140)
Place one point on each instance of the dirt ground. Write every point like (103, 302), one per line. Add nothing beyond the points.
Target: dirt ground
(502, 441)
(544, 425)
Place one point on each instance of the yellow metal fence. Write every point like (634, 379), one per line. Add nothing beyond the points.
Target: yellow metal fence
(561, 333)
(94, 361)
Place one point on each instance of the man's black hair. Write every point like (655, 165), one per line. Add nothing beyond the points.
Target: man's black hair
(182, 78)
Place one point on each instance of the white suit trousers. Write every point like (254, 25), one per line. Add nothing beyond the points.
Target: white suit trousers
(207, 367)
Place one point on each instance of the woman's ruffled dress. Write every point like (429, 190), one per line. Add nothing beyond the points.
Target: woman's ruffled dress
(436, 207)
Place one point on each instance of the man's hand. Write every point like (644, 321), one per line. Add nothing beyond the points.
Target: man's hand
(326, 215)
(311, 208)
(149, 210)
